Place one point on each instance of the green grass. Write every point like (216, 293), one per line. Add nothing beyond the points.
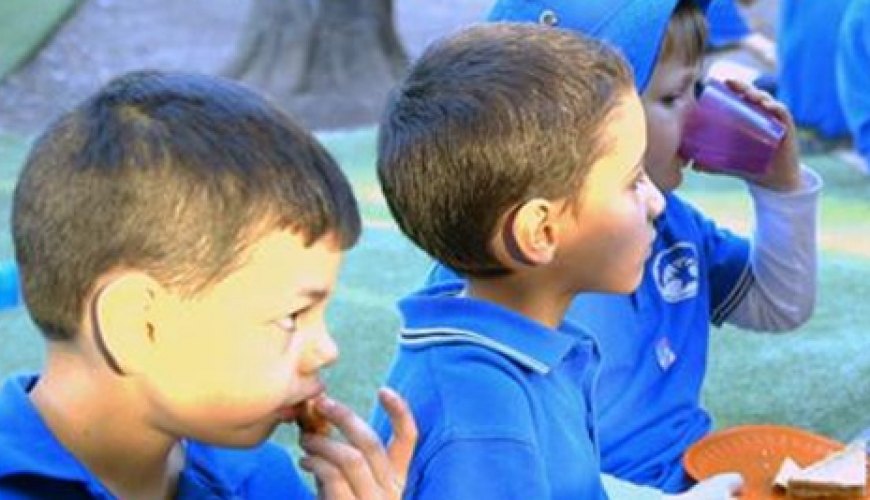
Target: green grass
(813, 378)
(25, 25)
(12, 152)
(844, 211)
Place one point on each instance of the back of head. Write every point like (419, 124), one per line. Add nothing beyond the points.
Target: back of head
(485, 120)
(636, 27)
(171, 174)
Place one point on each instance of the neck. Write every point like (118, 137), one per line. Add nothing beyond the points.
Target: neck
(90, 411)
(545, 304)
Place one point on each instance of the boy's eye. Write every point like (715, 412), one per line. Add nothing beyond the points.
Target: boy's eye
(288, 323)
(669, 100)
(677, 97)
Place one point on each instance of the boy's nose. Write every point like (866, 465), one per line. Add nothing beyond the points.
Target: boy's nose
(320, 351)
(655, 201)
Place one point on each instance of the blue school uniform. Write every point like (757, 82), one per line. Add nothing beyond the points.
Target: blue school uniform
(34, 465)
(503, 404)
(853, 73)
(806, 48)
(727, 24)
(654, 345)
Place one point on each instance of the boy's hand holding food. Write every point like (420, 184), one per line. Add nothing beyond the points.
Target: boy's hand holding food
(360, 468)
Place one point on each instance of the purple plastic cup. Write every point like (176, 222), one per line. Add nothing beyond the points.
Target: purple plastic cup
(724, 132)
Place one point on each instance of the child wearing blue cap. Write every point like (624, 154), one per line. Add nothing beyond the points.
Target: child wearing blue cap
(178, 239)
(654, 342)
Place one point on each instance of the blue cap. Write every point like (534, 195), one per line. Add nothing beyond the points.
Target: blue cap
(636, 27)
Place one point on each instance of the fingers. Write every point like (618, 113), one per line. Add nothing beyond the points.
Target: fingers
(763, 99)
(329, 479)
(401, 448)
(360, 467)
(784, 174)
(360, 461)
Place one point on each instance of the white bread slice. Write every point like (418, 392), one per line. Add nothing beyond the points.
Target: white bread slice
(788, 469)
(839, 475)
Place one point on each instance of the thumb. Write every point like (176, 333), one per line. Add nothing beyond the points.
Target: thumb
(401, 446)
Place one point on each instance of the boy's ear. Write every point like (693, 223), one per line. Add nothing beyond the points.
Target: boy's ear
(121, 320)
(529, 233)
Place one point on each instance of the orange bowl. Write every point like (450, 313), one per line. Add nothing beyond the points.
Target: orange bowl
(756, 452)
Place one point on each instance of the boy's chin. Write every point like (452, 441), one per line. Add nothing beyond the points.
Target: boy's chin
(241, 437)
(670, 180)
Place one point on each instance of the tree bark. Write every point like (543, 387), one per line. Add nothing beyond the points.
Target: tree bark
(330, 62)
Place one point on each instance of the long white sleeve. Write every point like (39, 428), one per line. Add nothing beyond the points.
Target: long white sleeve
(618, 489)
(784, 258)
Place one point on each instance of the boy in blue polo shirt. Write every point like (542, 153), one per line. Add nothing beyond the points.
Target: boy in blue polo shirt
(654, 342)
(513, 153)
(178, 239)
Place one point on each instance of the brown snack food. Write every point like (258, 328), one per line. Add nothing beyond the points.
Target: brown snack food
(310, 420)
(840, 475)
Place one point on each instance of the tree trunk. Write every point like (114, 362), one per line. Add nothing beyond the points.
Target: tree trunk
(329, 62)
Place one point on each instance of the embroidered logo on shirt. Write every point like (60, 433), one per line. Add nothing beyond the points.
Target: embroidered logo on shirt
(675, 271)
(664, 354)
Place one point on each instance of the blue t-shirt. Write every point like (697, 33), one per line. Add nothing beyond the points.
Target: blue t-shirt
(503, 404)
(853, 73)
(654, 345)
(806, 45)
(727, 24)
(34, 465)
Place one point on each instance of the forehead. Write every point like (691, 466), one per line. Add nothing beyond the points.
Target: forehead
(280, 264)
(624, 136)
(673, 72)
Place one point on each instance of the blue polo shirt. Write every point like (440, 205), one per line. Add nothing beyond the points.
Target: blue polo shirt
(34, 465)
(654, 345)
(503, 404)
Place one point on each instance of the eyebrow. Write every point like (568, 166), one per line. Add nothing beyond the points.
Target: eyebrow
(314, 294)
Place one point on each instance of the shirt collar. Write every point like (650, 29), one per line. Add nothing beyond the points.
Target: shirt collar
(437, 315)
(27, 443)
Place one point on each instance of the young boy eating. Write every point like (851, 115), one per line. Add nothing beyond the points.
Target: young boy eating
(178, 240)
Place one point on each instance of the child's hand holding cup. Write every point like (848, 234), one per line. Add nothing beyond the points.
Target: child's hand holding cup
(726, 133)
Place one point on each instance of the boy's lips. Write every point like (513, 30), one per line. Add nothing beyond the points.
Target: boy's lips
(289, 412)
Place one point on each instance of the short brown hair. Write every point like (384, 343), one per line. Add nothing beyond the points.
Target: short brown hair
(170, 173)
(488, 118)
(686, 36)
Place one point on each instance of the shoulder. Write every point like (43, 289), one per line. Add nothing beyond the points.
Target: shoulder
(680, 212)
(465, 388)
(682, 221)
